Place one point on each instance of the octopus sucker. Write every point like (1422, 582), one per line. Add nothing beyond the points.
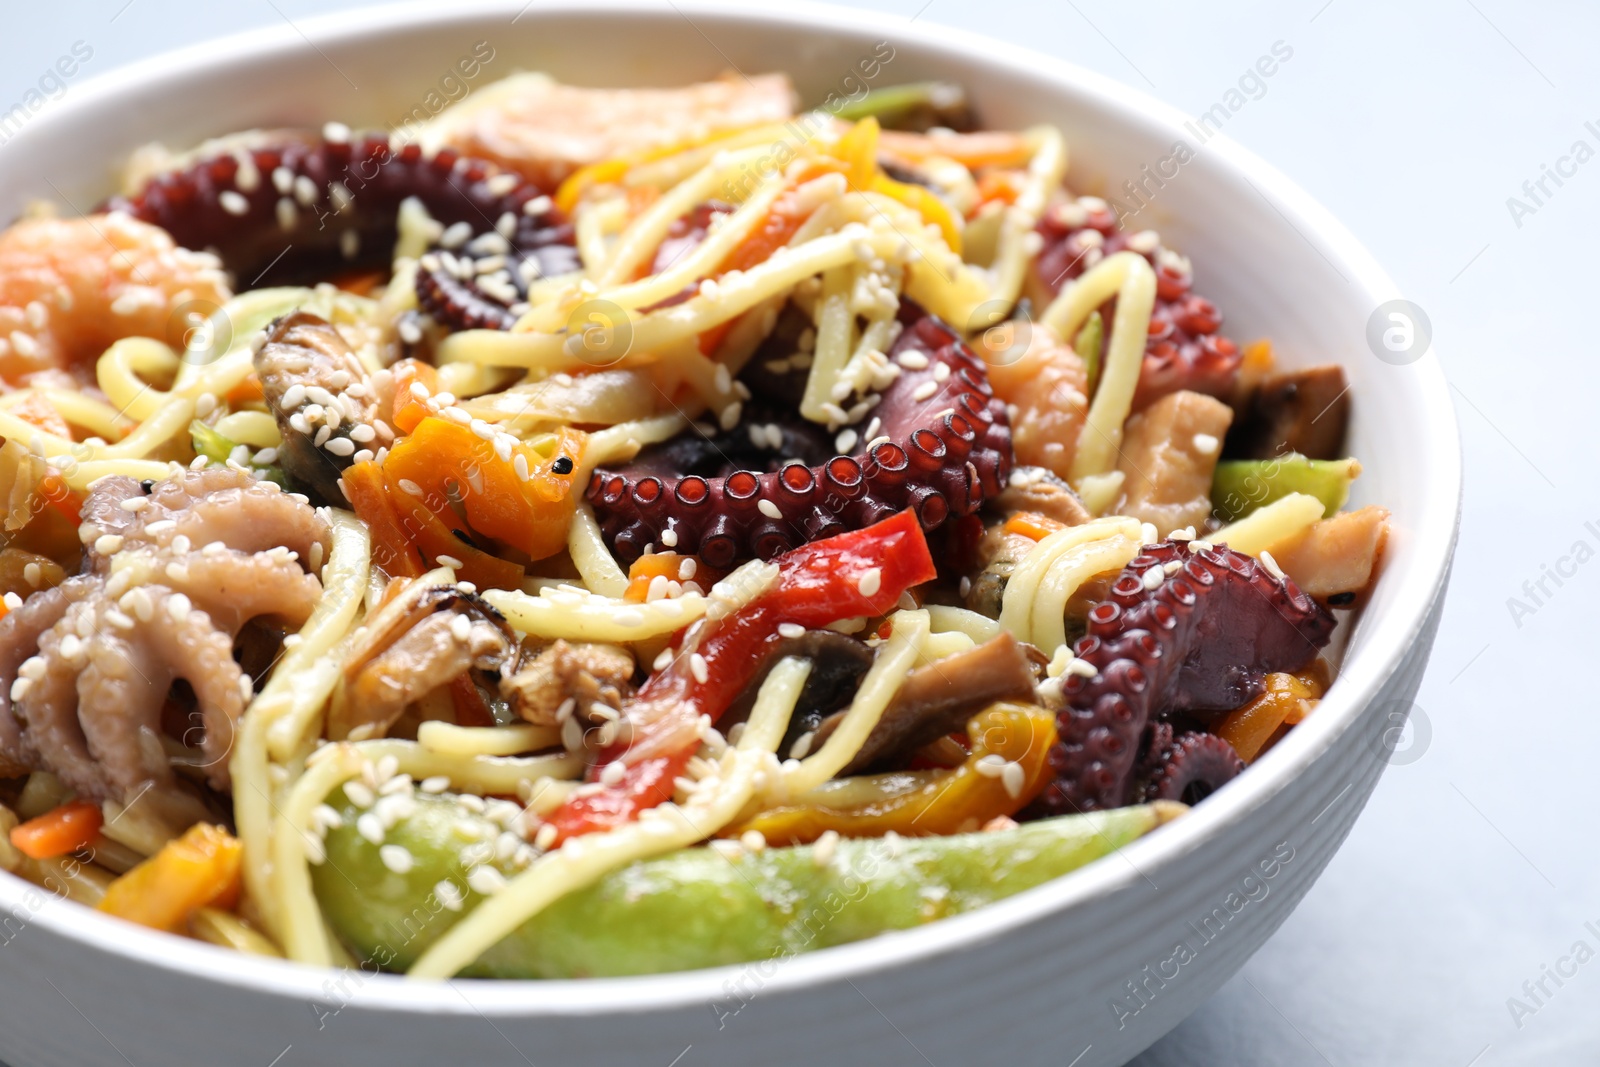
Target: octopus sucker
(1188, 768)
(20, 634)
(1183, 349)
(941, 446)
(1184, 631)
(309, 206)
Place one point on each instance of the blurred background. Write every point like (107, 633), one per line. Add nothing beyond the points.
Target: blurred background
(1454, 138)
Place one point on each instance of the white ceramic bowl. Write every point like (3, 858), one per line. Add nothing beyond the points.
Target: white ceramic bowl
(1085, 970)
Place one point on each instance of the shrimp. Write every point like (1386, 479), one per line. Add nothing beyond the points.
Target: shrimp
(70, 287)
(1046, 387)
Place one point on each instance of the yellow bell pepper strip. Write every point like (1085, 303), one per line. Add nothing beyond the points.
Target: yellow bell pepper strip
(514, 493)
(858, 150)
(611, 171)
(1285, 700)
(1003, 737)
(59, 831)
(198, 870)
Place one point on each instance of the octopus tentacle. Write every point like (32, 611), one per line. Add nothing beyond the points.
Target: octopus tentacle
(1189, 769)
(940, 444)
(1184, 630)
(20, 633)
(1184, 349)
(333, 202)
(218, 504)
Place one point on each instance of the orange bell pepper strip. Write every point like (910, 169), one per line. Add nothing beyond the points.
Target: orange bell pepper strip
(529, 513)
(668, 565)
(392, 550)
(59, 831)
(61, 498)
(1032, 524)
(956, 801)
(410, 409)
(248, 390)
(989, 148)
(436, 538)
(1285, 699)
(198, 870)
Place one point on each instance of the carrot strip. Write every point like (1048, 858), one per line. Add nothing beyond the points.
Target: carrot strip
(55, 833)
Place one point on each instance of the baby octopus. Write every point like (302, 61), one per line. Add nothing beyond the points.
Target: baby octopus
(70, 287)
(1188, 629)
(177, 568)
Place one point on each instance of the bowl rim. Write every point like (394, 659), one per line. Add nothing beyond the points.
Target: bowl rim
(1361, 678)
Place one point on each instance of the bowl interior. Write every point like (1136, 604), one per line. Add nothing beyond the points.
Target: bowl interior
(1273, 260)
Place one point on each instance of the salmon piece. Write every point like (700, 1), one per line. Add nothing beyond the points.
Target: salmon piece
(70, 287)
(545, 130)
(1169, 455)
(1336, 555)
(1047, 384)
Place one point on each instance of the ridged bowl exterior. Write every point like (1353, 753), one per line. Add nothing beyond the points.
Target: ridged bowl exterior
(1089, 969)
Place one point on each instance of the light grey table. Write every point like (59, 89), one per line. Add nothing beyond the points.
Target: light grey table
(1473, 870)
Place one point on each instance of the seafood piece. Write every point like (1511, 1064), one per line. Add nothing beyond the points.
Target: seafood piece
(545, 131)
(70, 287)
(324, 402)
(431, 636)
(937, 441)
(1168, 456)
(585, 673)
(1197, 640)
(1048, 386)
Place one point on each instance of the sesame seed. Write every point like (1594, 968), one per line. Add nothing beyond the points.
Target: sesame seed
(19, 689)
(769, 509)
(397, 858)
(698, 668)
(178, 607)
(613, 773)
(546, 836)
(912, 360)
(662, 661)
(791, 630)
(1271, 565)
(823, 851)
(753, 840)
(434, 785)
(448, 895)
(461, 628)
(1206, 444)
(360, 795)
(105, 544)
(1013, 777)
(1153, 578)
(845, 441)
(337, 132)
(340, 446)
(990, 766)
(371, 828)
(12, 601)
(233, 203)
(870, 582)
(924, 391)
(1200, 545)
(669, 537)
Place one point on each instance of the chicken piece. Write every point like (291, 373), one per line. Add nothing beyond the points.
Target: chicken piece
(1169, 454)
(1303, 411)
(1335, 556)
(545, 131)
(588, 674)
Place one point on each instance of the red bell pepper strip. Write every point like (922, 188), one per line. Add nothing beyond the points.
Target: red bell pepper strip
(817, 584)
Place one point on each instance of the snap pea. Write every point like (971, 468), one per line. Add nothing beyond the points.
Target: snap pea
(696, 907)
(1240, 486)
